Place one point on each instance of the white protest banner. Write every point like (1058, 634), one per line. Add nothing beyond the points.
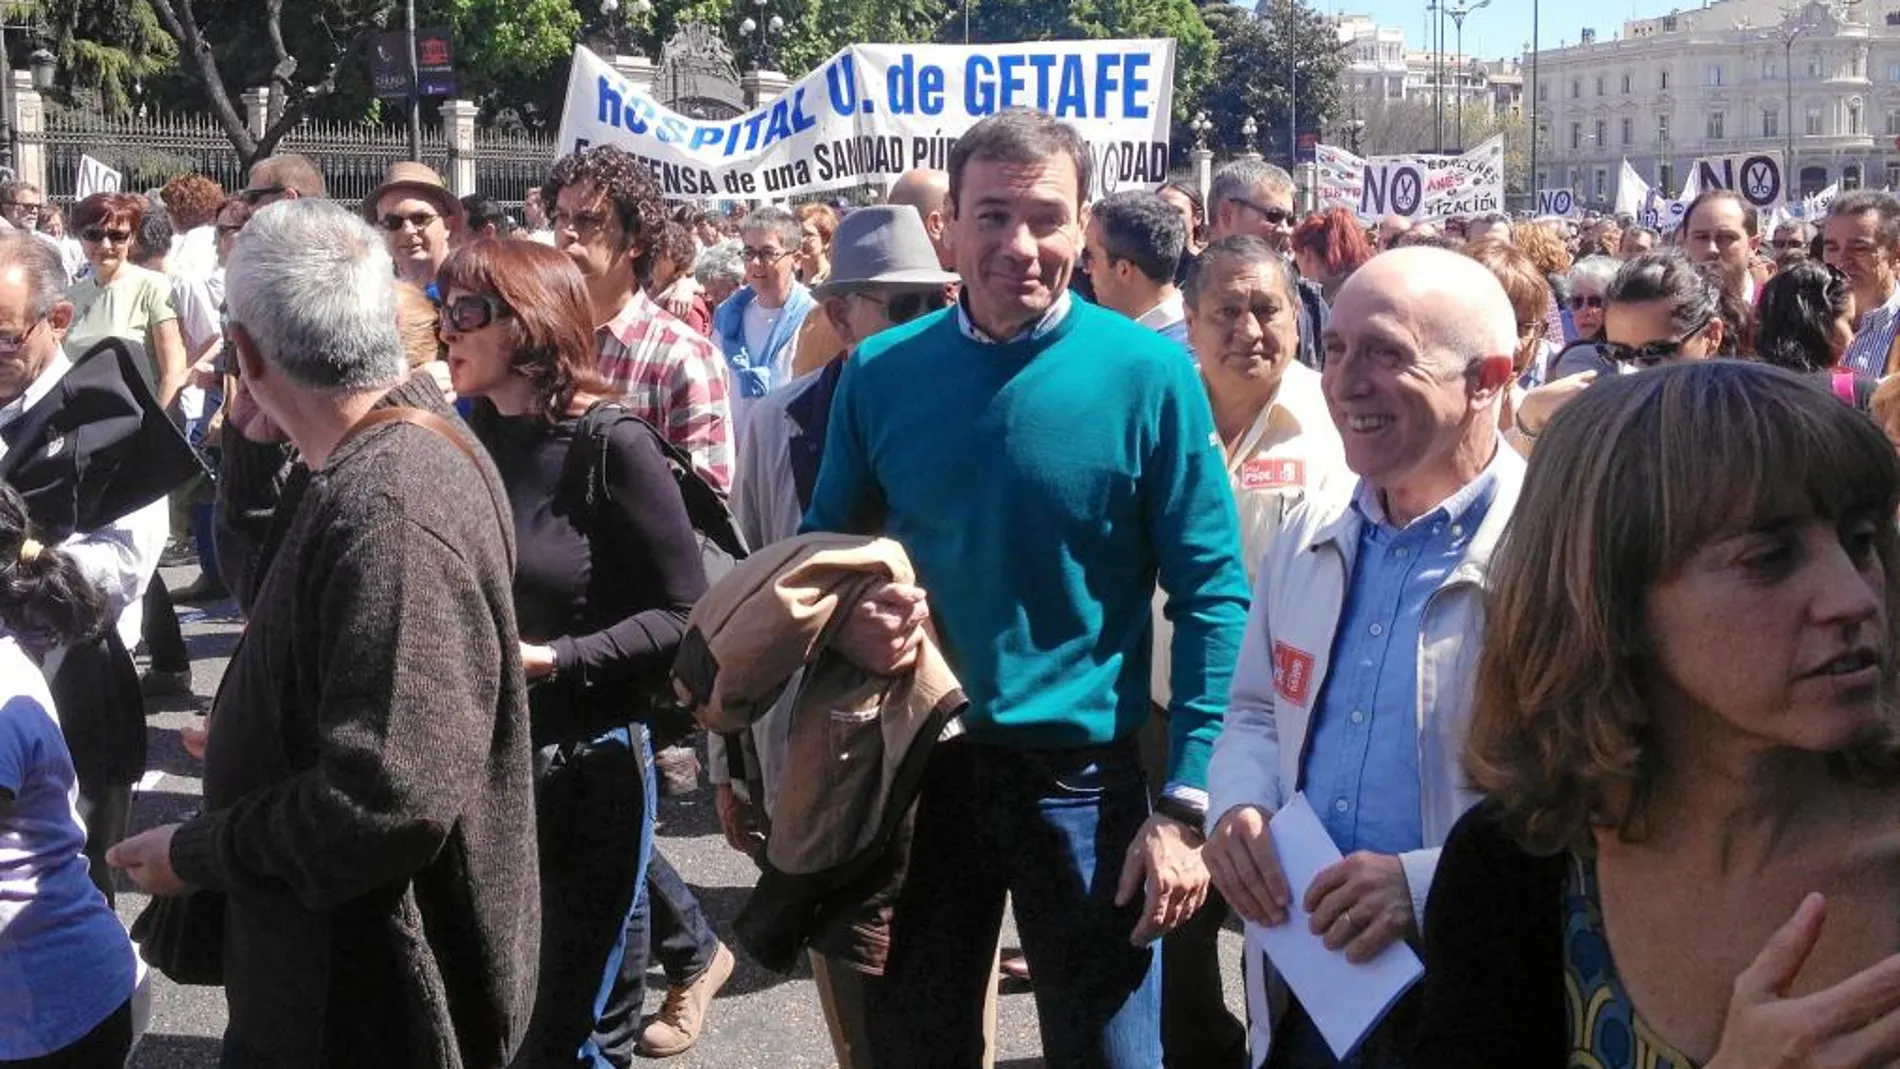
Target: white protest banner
(1814, 207)
(1632, 193)
(1559, 202)
(1419, 186)
(872, 112)
(95, 177)
(1757, 176)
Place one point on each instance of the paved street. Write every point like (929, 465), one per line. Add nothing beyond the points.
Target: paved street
(761, 1019)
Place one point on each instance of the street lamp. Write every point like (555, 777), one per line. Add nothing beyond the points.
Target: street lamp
(618, 29)
(1200, 126)
(1248, 130)
(761, 31)
(1354, 127)
(1787, 34)
(1438, 69)
(1458, 13)
(43, 64)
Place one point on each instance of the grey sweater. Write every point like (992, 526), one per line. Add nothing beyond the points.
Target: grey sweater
(368, 806)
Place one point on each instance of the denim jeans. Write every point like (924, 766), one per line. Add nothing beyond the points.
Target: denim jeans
(1050, 829)
(666, 926)
(595, 820)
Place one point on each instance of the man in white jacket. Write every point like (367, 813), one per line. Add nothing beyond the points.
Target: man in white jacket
(1353, 683)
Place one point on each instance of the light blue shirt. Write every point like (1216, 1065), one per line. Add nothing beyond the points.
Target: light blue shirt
(1361, 765)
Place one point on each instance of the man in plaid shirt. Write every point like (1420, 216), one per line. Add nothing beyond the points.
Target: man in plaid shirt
(607, 215)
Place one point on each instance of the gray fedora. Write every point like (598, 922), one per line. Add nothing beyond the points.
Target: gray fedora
(882, 245)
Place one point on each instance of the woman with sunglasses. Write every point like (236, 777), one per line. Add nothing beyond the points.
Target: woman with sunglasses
(603, 585)
(118, 299)
(1661, 308)
(1587, 281)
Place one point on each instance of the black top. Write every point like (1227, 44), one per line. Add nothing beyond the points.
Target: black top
(1493, 993)
(614, 606)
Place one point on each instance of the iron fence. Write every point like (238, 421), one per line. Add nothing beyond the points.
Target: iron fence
(150, 151)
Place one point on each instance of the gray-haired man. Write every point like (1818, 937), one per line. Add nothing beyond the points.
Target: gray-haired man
(1253, 198)
(368, 800)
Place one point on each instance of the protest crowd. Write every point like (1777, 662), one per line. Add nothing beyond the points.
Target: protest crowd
(1495, 618)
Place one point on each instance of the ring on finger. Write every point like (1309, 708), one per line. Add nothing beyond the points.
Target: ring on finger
(1345, 916)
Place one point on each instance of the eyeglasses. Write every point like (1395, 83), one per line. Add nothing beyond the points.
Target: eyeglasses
(256, 194)
(764, 256)
(472, 312)
(23, 207)
(901, 308)
(1654, 353)
(1580, 301)
(1275, 216)
(13, 344)
(419, 220)
(100, 235)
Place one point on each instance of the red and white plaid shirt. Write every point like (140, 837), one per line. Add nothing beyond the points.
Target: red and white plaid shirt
(673, 378)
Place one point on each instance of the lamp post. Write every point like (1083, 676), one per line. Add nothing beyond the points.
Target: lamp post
(1248, 130)
(1435, 7)
(1202, 156)
(761, 31)
(1532, 49)
(1787, 34)
(1458, 13)
(619, 29)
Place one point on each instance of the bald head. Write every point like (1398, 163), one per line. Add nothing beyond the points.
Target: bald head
(927, 191)
(1458, 305)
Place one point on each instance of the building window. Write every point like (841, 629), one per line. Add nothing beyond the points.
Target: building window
(1576, 88)
(1813, 127)
(1601, 139)
(1768, 70)
(1893, 175)
(1599, 85)
(1666, 175)
(1893, 124)
(1715, 123)
(1662, 79)
(1626, 81)
(1576, 136)
(1662, 129)
(1814, 66)
(1853, 117)
(1629, 131)
(1715, 74)
(1543, 91)
(1893, 70)
(1602, 183)
(1770, 123)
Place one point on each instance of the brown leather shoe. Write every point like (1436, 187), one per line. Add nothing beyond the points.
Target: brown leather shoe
(676, 1027)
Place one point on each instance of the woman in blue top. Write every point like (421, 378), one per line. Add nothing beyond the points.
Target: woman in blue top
(66, 965)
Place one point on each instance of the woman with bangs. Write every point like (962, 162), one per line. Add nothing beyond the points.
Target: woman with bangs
(120, 299)
(1684, 724)
(607, 569)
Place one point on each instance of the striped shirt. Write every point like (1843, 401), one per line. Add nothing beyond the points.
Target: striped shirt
(1873, 338)
(674, 379)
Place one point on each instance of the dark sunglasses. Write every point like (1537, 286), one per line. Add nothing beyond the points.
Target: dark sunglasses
(1653, 353)
(1580, 301)
(252, 196)
(1276, 216)
(472, 312)
(22, 206)
(98, 235)
(419, 220)
(901, 308)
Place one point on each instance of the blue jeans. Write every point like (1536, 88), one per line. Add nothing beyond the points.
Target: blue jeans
(1050, 829)
(595, 833)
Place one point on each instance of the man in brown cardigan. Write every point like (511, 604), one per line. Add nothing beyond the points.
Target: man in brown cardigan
(368, 814)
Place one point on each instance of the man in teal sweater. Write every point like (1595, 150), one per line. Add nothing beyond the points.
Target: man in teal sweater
(1043, 462)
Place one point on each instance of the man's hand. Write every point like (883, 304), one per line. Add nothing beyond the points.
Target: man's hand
(738, 819)
(1540, 404)
(1166, 858)
(883, 632)
(1361, 903)
(1245, 869)
(678, 297)
(147, 859)
(243, 415)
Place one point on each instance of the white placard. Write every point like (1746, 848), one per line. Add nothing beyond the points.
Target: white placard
(1419, 186)
(95, 177)
(1757, 176)
(872, 112)
(1560, 202)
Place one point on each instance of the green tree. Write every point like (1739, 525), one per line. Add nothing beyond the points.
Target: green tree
(106, 47)
(1259, 55)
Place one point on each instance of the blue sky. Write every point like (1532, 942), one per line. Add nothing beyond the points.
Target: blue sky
(1502, 28)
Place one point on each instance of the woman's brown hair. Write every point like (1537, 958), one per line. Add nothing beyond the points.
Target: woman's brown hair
(551, 325)
(1629, 481)
(104, 209)
(821, 216)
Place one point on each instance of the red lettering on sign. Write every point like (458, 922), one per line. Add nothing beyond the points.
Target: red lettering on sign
(1272, 473)
(1292, 673)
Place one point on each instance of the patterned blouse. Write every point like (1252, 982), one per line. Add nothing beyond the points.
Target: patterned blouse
(1605, 1032)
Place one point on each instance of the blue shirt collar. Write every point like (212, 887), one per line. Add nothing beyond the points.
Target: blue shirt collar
(1467, 507)
(1051, 319)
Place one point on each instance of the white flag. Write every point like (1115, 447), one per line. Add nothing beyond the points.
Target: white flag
(95, 177)
(1632, 193)
(1816, 206)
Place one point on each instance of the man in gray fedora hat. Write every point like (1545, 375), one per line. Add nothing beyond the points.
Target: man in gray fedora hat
(884, 272)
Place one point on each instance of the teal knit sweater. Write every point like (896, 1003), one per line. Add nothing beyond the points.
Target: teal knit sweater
(1040, 487)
